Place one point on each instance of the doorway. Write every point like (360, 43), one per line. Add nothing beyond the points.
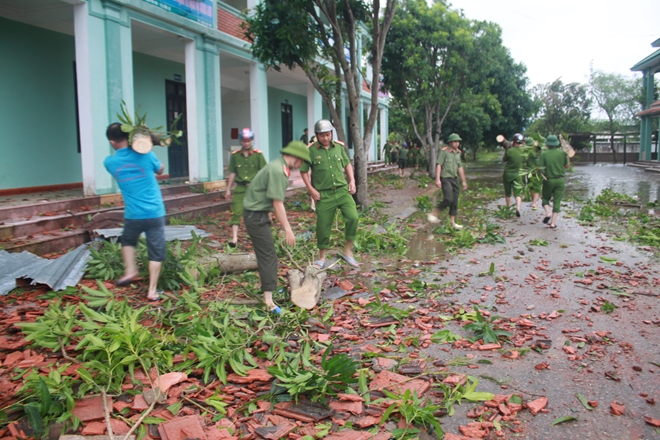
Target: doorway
(287, 124)
(177, 153)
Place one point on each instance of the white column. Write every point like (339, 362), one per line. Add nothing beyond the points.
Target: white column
(259, 111)
(383, 128)
(104, 73)
(83, 74)
(314, 108)
(191, 107)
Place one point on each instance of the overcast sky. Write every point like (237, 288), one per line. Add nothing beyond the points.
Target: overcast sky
(561, 38)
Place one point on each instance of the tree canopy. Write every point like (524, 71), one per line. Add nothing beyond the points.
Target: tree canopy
(445, 69)
(618, 97)
(323, 38)
(561, 108)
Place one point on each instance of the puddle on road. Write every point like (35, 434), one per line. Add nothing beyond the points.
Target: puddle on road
(424, 246)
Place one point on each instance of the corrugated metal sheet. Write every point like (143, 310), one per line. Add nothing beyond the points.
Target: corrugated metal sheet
(58, 273)
(68, 269)
(182, 232)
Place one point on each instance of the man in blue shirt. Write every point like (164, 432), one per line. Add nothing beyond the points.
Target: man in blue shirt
(144, 208)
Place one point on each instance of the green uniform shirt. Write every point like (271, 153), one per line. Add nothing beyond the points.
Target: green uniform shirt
(403, 153)
(513, 160)
(450, 162)
(554, 160)
(246, 167)
(327, 166)
(388, 147)
(269, 184)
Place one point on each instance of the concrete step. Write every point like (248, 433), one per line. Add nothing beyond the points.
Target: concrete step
(71, 218)
(61, 229)
(83, 203)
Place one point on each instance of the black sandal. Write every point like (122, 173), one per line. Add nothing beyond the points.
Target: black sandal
(546, 220)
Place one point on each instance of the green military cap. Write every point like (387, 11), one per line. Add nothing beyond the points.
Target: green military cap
(297, 149)
(552, 141)
(530, 142)
(454, 137)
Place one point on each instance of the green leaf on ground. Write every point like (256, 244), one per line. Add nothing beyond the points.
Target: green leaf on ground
(563, 419)
(583, 401)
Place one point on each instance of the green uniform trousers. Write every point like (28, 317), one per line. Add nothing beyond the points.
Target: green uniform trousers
(257, 224)
(553, 189)
(509, 180)
(331, 199)
(388, 158)
(450, 193)
(237, 204)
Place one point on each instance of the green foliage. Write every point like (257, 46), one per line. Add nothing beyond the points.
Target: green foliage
(415, 411)
(424, 180)
(492, 235)
(424, 204)
(538, 242)
(607, 307)
(505, 212)
(334, 376)
(444, 337)
(372, 239)
(382, 309)
(561, 108)
(106, 261)
(610, 197)
(485, 329)
(455, 395)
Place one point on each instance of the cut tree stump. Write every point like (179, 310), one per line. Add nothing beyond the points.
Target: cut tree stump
(306, 288)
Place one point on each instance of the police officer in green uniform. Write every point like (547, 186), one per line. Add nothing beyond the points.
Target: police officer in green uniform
(331, 189)
(244, 164)
(535, 182)
(555, 161)
(513, 161)
(447, 171)
(403, 159)
(264, 195)
(387, 149)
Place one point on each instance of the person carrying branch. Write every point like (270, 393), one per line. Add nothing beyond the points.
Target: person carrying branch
(144, 210)
(244, 164)
(332, 190)
(447, 171)
(265, 195)
(513, 161)
(555, 163)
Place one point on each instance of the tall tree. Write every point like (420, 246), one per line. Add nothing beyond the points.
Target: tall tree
(560, 108)
(618, 97)
(314, 33)
(435, 63)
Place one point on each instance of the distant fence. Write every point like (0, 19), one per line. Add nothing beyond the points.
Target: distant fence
(626, 146)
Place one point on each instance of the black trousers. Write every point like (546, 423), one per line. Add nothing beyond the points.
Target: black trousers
(450, 194)
(257, 224)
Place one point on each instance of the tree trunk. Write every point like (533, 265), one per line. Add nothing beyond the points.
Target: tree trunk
(231, 263)
(612, 148)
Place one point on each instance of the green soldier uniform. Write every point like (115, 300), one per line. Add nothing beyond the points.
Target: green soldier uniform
(268, 185)
(450, 161)
(245, 168)
(555, 162)
(328, 179)
(394, 154)
(413, 157)
(388, 153)
(513, 161)
(403, 157)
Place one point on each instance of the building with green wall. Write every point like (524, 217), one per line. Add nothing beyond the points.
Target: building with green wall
(649, 66)
(67, 65)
